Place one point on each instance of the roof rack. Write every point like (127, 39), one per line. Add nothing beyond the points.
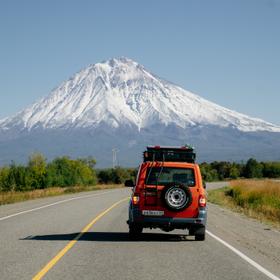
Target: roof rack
(177, 154)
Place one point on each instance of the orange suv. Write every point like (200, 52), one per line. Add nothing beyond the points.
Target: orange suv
(168, 193)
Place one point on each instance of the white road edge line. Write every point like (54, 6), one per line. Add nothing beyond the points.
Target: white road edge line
(244, 257)
(52, 204)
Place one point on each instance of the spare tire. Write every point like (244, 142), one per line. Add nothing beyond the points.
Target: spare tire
(177, 197)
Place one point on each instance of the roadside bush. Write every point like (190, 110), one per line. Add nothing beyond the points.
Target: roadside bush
(18, 178)
(61, 172)
(253, 169)
(262, 196)
(64, 172)
(256, 198)
(234, 172)
(230, 170)
(116, 175)
(37, 172)
(271, 169)
(208, 174)
(222, 168)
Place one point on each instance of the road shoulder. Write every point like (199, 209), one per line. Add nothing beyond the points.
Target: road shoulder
(255, 239)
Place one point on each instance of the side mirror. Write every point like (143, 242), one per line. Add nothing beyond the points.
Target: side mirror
(129, 183)
(204, 185)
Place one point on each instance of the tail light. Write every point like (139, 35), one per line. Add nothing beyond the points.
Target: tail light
(135, 199)
(202, 201)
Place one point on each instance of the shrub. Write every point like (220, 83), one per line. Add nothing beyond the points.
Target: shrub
(271, 169)
(37, 171)
(116, 175)
(64, 172)
(5, 183)
(253, 169)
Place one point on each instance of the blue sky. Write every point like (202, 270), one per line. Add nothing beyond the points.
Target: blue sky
(225, 51)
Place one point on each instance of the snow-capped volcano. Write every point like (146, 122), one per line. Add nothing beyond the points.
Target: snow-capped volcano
(121, 92)
(119, 104)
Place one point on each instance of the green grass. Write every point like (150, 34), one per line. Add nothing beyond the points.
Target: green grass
(259, 199)
(12, 197)
(217, 196)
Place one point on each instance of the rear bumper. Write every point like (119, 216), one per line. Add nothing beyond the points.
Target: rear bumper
(136, 217)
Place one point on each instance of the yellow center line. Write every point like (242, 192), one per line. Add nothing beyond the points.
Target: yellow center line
(53, 261)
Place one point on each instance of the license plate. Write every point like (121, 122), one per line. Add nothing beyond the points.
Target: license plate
(152, 213)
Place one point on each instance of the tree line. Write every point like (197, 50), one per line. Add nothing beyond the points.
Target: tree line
(60, 172)
(220, 170)
(38, 174)
(67, 172)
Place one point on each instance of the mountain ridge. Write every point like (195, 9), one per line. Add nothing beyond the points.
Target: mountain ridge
(119, 104)
(121, 91)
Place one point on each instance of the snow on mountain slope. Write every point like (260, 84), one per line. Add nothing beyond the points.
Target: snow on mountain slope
(120, 92)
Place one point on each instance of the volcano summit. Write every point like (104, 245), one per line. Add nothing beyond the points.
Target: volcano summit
(119, 104)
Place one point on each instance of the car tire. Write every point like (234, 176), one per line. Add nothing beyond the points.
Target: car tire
(199, 234)
(191, 231)
(177, 197)
(199, 237)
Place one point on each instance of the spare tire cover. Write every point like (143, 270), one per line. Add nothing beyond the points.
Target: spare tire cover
(177, 197)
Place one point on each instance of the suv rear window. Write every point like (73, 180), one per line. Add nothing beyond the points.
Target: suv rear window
(165, 175)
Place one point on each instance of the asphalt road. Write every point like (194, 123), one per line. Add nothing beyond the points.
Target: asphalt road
(39, 238)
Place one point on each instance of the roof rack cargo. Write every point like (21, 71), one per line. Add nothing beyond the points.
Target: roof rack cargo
(177, 154)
